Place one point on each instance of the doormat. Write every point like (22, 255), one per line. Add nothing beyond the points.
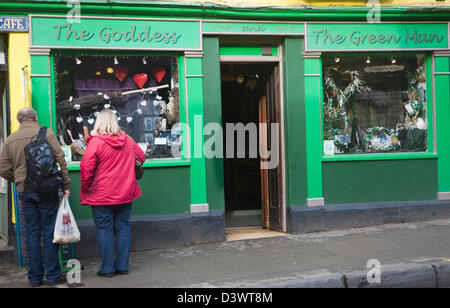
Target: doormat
(239, 234)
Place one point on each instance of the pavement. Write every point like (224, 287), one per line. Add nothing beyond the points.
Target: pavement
(395, 255)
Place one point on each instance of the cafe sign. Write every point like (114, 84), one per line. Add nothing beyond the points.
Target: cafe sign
(115, 33)
(382, 36)
(13, 24)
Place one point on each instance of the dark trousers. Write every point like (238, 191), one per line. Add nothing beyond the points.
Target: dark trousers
(40, 218)
(112, 224)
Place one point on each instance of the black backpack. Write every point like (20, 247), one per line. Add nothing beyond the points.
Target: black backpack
(43, 174)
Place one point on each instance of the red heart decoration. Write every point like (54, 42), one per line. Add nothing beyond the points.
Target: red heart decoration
(121, 72)
(159, 73)
(140, 79)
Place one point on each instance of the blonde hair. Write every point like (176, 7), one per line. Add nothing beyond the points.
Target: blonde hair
(106, 124)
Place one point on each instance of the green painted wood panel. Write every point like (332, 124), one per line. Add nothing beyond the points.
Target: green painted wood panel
(164, 191)
(380, 181)
(295, 119)
(244, 50)
(442, 88)
(313, 110)
(213, 114)
(41, 99)
(39, 65)
(194, 90)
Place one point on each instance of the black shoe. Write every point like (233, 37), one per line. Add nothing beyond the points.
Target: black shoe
(110, 275)
(35, 284)
(121, 273)
(60, 280)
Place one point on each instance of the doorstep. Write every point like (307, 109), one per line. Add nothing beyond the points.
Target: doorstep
(249, 233)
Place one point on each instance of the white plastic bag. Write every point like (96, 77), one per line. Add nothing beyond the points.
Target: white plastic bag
(66, 229)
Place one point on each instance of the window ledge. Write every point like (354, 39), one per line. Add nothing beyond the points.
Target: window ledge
(75, 166)
(378, 156)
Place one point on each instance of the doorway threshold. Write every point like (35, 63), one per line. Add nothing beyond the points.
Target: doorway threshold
(250, 233)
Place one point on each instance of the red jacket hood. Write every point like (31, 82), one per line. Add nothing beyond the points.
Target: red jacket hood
(115, 142)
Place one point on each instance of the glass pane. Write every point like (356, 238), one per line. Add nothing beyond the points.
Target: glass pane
(2, 51)
(374, 103)
(142, 91)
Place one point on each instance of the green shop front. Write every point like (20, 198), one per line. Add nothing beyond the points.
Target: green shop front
(293, 126)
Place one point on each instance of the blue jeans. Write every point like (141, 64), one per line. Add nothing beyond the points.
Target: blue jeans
(40, 218)
(112, 223)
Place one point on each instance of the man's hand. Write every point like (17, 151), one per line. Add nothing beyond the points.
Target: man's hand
(66, 193)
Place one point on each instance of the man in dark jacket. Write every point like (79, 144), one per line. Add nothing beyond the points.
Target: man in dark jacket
(40, 208)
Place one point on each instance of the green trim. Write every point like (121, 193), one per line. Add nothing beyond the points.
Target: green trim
(183, 117)
(378, 156)
(399, 155)
(213, 11)
(430, 107)
(53, 92)
(184, 160)
(154, 163)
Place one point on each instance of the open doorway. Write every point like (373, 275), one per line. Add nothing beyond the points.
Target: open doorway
(250, 97)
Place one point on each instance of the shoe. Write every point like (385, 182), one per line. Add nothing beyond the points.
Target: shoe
(109, 275)
(36, 284)
(121, 273)
(60, 280)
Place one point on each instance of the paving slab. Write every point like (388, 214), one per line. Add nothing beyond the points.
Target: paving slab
(410, 255)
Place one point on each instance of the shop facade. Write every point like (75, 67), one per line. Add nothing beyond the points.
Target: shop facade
(356, 115)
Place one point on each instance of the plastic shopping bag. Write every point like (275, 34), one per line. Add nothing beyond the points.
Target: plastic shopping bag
(66, 229)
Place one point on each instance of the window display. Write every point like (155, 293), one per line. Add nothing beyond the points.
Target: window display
(143, 91)
(374, 103)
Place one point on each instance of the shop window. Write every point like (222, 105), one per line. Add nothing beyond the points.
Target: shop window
(374, 103)
(142, 91)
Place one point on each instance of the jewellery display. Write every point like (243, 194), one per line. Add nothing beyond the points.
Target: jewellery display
(136, 90)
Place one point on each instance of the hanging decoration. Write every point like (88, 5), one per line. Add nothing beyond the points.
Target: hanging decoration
(334, 107)
(140, 79)
(158, 73)
(121, 72)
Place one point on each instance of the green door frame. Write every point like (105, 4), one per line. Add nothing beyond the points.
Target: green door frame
(4, 204)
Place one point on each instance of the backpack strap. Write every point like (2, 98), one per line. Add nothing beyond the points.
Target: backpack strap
(42, 133)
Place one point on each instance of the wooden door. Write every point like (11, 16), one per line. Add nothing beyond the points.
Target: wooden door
(270, 142)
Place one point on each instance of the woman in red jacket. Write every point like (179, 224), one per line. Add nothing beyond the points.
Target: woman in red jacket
(109, 186)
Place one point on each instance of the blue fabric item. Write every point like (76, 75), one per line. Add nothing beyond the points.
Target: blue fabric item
(40, 217)
(112, 224)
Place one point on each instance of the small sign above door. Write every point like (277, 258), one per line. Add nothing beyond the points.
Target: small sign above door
(253, 28)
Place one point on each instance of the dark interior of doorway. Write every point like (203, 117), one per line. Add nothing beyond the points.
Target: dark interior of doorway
(243, 85)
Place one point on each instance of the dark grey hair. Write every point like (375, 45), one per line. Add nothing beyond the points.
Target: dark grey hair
(26, 114)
